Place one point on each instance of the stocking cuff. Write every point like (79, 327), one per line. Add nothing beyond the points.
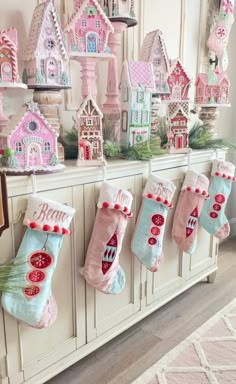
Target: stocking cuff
(115, 198)
(48, 216)
(197, 183)
(160, 190)
(223, 169)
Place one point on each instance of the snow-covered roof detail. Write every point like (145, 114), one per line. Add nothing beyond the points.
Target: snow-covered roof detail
(149, 43)
(139, 73)
(36, 29)
(79, 12)
(89, 107)
(175, 108)
(174, 63)
(17, 119)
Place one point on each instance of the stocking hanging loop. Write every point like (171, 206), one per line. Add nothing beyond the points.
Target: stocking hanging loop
(33, 183)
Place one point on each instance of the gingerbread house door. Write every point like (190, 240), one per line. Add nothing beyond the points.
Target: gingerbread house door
(52, 70)
(6, 72)
(179, 141)
(91, 42)
(34, 155)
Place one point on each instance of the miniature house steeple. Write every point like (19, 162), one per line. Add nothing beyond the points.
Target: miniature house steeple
(45, 53)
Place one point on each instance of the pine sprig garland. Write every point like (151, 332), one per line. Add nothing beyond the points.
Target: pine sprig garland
(12, 276)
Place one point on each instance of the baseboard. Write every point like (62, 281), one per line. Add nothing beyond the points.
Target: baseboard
(232, 224)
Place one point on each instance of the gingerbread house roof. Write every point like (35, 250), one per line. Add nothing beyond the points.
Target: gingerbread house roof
(9, 37)
(139, 73)
(36, 29)
(173, 64)
(79, 11)
(17, 119)
(149, 44)
(174, 109)
(82, 111)
(203, 77)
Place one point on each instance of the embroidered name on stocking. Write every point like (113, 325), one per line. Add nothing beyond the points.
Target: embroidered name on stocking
(192, 222)
(109, 254)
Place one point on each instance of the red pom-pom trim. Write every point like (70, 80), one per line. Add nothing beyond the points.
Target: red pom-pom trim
(105, 204)
(33, 225)
(46, 227)
(117, 206)
(125, 210)
(217, 174)
(56, 229)
(197, 190)
(150, 196)
(189, 189)
(166, 202)
(65, 231)
(158, 199)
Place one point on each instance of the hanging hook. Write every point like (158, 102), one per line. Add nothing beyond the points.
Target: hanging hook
(104, 169)
(189, 160)
(34, 184)
(217, 153)
(150, 167)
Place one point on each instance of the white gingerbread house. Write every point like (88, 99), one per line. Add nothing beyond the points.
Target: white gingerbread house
(45, 53)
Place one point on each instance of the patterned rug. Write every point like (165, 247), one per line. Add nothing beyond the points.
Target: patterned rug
(207, 356)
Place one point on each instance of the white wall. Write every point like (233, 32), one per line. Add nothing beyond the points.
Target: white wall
(182, 23)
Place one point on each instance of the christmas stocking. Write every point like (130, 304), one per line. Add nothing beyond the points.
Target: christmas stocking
(148, 237)
(102, 269)
(189, 206)
(213, 218)
(36, 260)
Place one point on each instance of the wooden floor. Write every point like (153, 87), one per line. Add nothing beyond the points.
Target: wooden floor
(130, 354)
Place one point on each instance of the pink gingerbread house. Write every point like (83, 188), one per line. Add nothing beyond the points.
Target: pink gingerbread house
(212, 92)
(32, 140)
(89, 119)
(179, 82)
(154, 51)
(88, 29)
(45, 54)
(8, 56)
(178, 132)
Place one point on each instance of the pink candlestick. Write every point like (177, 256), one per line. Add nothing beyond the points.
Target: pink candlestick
(112, 104)
(3, 118)
(88, 72)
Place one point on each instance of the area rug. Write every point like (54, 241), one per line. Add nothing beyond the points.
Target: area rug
(207, 356)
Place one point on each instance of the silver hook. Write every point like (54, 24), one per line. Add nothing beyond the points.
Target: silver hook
(217, 153)
(34, 184)
(189, 160)
(150, 167)
(104, 169)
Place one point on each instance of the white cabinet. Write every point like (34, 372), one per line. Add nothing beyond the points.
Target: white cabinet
(87, 318)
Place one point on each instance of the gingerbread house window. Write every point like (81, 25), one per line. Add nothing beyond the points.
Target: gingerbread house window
(18, 146)
(124, 121)
(50, 44)
(32, 126)
(97, 24)
(140, 97)
(47, 146)
(89, 122)
(84, 23)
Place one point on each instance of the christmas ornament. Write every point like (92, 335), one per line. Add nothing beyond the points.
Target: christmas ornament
(213, 217)
(36, 260)
(189, 206)
(102, 269)
(149, 232)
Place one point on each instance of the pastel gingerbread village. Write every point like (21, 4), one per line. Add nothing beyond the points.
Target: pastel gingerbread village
(93, 33)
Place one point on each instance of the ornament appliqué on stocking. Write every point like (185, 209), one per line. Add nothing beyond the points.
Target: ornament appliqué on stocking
(158, 220)
(109, 254)
(217, 207)
(192, 222)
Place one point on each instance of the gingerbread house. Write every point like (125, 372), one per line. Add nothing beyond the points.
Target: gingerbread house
(154, 51)
(32, 140)
(212, 89)
(137, 85)
(88, 29)
(89, 118)
(118, 9)
(178, 114)
(8, 56)
(45, 53)
(178, 81)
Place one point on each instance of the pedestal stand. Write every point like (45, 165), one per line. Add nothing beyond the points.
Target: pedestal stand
(209, 114)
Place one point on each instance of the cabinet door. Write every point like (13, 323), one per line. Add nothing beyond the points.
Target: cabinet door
(104, 312)
(169, 276)
(32, 349)
(6, 245)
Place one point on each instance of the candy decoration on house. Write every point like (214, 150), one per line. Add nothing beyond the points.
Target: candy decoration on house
(178, 81)
(45, 55)
(33, 303)
(147, 242)
(193, 194)
(178, 137)
(102, 269)
(9, 75)
(31, 143)
(4, 217)
(154, 51)
(137, 85)
(87, 33)
(89, 118)
(213, 218)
